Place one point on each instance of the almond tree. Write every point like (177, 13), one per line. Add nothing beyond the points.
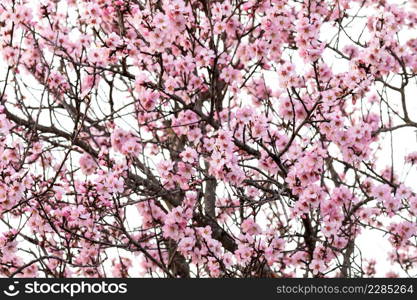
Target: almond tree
(204, 138)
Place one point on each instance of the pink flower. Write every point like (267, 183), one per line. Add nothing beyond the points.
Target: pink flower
(3, 193)
(317, 266)
(186, 245)
(382, 192)
(98, 56)
(250, 227)
(411, 158)
(87, 164)
(189, 155)
(164, 166)
(413, 205)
